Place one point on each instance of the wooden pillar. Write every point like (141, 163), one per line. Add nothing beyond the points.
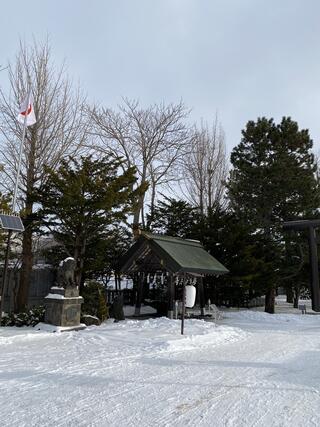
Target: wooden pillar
(315, 291)
(170, 296)
(5, 274)
(139, 293)
(201, 294)
(183, 304)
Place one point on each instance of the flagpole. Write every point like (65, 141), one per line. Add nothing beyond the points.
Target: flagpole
(20, 155)
(14, 202)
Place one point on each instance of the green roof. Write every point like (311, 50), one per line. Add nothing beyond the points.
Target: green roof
(171, 253)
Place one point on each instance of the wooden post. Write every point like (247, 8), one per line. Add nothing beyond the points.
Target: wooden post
(5, 274)
(170, 296)
(201, 293)
(139, 294)
(183, 303)
(315, 291)
(310, 225)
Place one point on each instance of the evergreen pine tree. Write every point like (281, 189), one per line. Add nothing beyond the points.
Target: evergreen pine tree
(173, 217)
(83, 201)
(273, 179)
(103, 312)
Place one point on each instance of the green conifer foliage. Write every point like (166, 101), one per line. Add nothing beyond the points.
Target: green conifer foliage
(83, 201)
(103, 312)
(173, 217)
(273, 179)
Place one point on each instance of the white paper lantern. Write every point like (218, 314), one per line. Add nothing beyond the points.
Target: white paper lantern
(190, 296)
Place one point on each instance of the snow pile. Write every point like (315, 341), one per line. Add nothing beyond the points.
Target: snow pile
(53, 328)
(163, 335)
(14, 335)
(133, 337)
(208, 338)
(265, 318)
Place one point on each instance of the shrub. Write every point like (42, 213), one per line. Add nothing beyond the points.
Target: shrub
(26, 318)
(94, 303)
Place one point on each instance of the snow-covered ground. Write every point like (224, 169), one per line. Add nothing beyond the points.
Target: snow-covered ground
(254, 369)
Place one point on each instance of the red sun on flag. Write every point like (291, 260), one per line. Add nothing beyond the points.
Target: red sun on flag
(26, 114)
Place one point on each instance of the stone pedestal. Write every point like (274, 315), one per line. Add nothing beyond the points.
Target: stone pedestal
(63, 307)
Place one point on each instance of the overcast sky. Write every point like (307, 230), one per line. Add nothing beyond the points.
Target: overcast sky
(241, 58)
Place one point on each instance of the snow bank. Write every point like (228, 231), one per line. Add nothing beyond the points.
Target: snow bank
(164, 335)
(265, 318)
(212, 338)
(53, 328)
(134, 337)
(14, 335)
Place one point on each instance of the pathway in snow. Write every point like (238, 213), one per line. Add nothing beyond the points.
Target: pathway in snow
(254, 370)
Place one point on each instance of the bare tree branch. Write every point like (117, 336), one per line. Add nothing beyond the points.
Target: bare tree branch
(152, 139)
(204, 168)
(61, 129)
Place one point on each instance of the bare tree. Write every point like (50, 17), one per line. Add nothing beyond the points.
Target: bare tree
(60, 130)
(152, 139)
(204, 168)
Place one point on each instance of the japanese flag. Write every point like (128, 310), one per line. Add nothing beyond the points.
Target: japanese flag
(26, 112)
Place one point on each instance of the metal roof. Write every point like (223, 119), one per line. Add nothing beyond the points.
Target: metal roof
(153, 252)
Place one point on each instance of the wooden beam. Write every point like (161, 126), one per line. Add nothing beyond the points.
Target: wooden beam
(170, 296)
(201, 295)
(183, 303)
(139, 293)
(313, 252)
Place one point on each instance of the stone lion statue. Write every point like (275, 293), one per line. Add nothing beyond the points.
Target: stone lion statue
(65, 273)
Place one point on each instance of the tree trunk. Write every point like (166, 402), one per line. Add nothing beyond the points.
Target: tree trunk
(79, 254)
(77, 257)
(289, 292)
(137, 212)
(270, 301)
(201, 204)
(81, 262)
(27, 254)
(143, 223)
(296, 296)
(26, 270)
(119, 281)
(152, 206)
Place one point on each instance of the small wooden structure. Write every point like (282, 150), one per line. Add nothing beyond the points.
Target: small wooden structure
(180, 259)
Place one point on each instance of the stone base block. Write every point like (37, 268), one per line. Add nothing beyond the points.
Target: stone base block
(63, 310)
